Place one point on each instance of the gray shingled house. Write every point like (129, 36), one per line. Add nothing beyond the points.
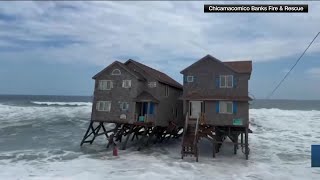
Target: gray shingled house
(132, 92)
(215, 94)
(139, 99)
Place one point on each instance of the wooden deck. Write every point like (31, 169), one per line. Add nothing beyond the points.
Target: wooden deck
(198, 129)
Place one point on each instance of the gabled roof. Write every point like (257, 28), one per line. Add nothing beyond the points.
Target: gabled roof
(135, 74)
(236, 66)
(145, 96)
(240, 66)
(160, 76)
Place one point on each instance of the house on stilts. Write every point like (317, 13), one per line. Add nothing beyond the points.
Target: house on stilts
(216, 104)
(139, 100)
(147, 105)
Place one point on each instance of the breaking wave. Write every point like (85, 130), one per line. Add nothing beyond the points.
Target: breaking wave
(61, 103)
(41, 140)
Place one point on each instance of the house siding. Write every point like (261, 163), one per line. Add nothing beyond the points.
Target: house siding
(116, 95)
(205, 74)
(163, 111)
(204, 84)
(212, 117)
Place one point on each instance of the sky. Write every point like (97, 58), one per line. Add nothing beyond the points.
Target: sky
(54, 48)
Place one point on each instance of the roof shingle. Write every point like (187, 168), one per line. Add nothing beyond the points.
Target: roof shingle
(160, 76)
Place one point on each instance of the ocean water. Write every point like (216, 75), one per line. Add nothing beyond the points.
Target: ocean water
(40, 139)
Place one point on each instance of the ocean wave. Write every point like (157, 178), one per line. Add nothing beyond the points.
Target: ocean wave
(61, 103)
(279, 109)
(14, 116)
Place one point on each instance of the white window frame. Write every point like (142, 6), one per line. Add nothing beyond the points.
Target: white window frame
(221, 111)
(116, 72)
(190, 78)
(125, 85)
(225, 78)
(101, 86)
(122, 106)
(166, 91)
(152, 84)
(102, 106)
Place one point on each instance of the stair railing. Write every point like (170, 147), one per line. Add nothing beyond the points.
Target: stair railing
(185, 127)
(196, 130)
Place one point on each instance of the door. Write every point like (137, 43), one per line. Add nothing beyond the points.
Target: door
(194, 109)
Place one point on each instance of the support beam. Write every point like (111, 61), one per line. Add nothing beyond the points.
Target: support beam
(86, 134)
(247, 144)
(111, 140)
(127, 137)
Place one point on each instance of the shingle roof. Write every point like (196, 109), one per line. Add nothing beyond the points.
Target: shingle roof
(160, 76)
(237, 66)
(137, 75)
(240, 66)
(145, 96)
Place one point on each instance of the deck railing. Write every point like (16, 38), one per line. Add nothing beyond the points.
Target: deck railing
(144, 119)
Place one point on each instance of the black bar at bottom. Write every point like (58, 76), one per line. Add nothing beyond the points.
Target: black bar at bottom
(256, 8)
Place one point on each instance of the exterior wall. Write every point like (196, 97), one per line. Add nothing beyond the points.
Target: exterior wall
(212, 117)
(205, 74)
(165, 108)
(163, 111)
(116, 95)
(168, 105)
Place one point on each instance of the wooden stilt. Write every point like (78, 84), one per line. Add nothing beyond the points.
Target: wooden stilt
(235, 146)
(111, 140)
(144, 134)
(86, 134)
(213, 148)
(95, 132)
(246, 144)
(127, 138)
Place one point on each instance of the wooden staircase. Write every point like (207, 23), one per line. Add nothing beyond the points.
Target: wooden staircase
(190, 138)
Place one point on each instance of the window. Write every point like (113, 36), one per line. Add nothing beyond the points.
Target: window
(124, 106)
(105, 85)
(116, 72)
(166, 91)
(152, 84)
(226, 81)
(225, 107)
(103, 106)
(189, 78)
(126, 83)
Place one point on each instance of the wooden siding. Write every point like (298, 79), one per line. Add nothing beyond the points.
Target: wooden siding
(164, 110)
(116, 95)
(166, 104)
(204, 84)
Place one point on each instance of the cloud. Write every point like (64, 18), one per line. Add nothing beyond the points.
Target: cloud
(167, 35)
(314, 72)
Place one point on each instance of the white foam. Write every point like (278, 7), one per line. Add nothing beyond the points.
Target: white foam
(280, 149)
(63, 103)
(23, 115)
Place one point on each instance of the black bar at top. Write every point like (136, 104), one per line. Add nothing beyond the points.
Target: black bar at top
(256, 8)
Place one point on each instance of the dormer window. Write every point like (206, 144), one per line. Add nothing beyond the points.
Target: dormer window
(116, 72)
(226, 81)
(190, 78)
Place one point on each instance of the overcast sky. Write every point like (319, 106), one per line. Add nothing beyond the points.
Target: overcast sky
(55, 48)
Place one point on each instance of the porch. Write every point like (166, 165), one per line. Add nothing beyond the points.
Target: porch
(145, 109)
